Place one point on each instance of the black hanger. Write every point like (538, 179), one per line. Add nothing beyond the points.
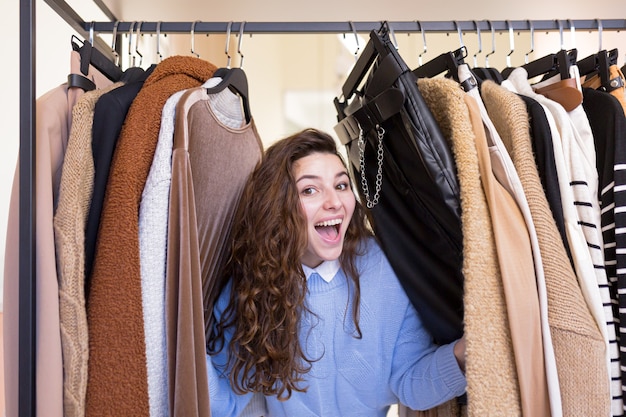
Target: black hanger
(236, 80)
(495, 75)
(549, 65)
(610, 59)
(599, 63)
(447, 62)
(377, 49)
(361, 67)
(483, 73)
(377, 100)
(91, 56)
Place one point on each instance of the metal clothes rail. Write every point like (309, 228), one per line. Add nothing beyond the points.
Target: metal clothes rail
(349, 26)
(27, 168)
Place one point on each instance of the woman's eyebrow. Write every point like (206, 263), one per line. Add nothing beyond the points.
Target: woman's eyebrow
(313, 177)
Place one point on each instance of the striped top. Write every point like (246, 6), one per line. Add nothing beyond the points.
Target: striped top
(606, 117)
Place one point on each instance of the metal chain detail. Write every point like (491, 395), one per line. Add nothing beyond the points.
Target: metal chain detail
(370, 203)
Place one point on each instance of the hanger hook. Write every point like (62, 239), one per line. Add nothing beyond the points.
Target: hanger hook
(91, 29)
(393, 36)
(356, 37)
(158, 44)
(572, 32)
(241, 26)
(193, 37)
(114, 41)
(131, 57)
(419, 57)
(511, 43)
(226, 48)
(599, 34)
(493, 43)
(532, 41)
(137, 43)
(480, 43)
(460, 32)
(561, 33)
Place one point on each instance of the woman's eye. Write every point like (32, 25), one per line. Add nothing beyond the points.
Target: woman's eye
(308, 191)
(343, 186)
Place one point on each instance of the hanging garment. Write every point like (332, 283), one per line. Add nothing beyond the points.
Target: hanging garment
(528, 317)
(53, 125)
(608, 124)
(153, 214)
(571, 158)
(491, 373)
(581, 152)
(69, 232)
(403, 150)
(117, 381)
(571, 323)
(541, 138)
(211, 162)
(615, 86)
(109, 115)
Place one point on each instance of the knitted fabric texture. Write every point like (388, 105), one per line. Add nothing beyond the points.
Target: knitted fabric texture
(578, 344)
(490, 369)
(69, 227)
(117, 384)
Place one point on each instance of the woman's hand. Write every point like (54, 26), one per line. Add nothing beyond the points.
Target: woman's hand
(459, 353)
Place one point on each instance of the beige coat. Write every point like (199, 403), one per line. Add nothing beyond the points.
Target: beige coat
(53, 124)
(491, 373)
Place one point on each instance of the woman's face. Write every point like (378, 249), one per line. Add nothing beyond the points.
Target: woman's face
(323, 185)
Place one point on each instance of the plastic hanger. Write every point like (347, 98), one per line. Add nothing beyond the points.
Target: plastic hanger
(234, 79)
(553, 64)
(362, 65)
(447, 62)
(91, 56)
(599, 63)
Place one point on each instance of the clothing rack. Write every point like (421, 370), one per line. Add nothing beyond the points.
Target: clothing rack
(27, 226)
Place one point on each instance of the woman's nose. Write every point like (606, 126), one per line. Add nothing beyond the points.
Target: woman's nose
(332, 200)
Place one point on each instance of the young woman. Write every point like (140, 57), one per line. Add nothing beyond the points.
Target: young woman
(313, 316)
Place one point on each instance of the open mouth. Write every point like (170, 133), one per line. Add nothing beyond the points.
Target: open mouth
(329, 230)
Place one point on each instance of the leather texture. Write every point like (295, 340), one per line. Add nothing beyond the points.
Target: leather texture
(417, 218)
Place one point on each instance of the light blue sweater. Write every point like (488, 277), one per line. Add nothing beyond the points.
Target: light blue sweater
(395, 360)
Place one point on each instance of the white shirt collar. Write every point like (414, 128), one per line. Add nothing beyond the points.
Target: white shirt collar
(327, 270)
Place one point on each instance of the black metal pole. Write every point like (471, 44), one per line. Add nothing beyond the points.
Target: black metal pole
(27, 204)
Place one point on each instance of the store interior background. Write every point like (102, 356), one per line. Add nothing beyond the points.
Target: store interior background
(292, 78)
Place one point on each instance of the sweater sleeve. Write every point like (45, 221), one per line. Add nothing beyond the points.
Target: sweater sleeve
(423, 374)
(224, 401)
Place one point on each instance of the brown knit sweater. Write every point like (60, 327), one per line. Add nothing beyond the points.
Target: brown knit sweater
(117, 383)
(578, 344)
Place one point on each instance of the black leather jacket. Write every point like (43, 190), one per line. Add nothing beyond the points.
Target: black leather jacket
(417, 216)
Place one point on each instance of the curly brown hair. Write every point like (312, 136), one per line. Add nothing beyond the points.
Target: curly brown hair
(268, 289)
